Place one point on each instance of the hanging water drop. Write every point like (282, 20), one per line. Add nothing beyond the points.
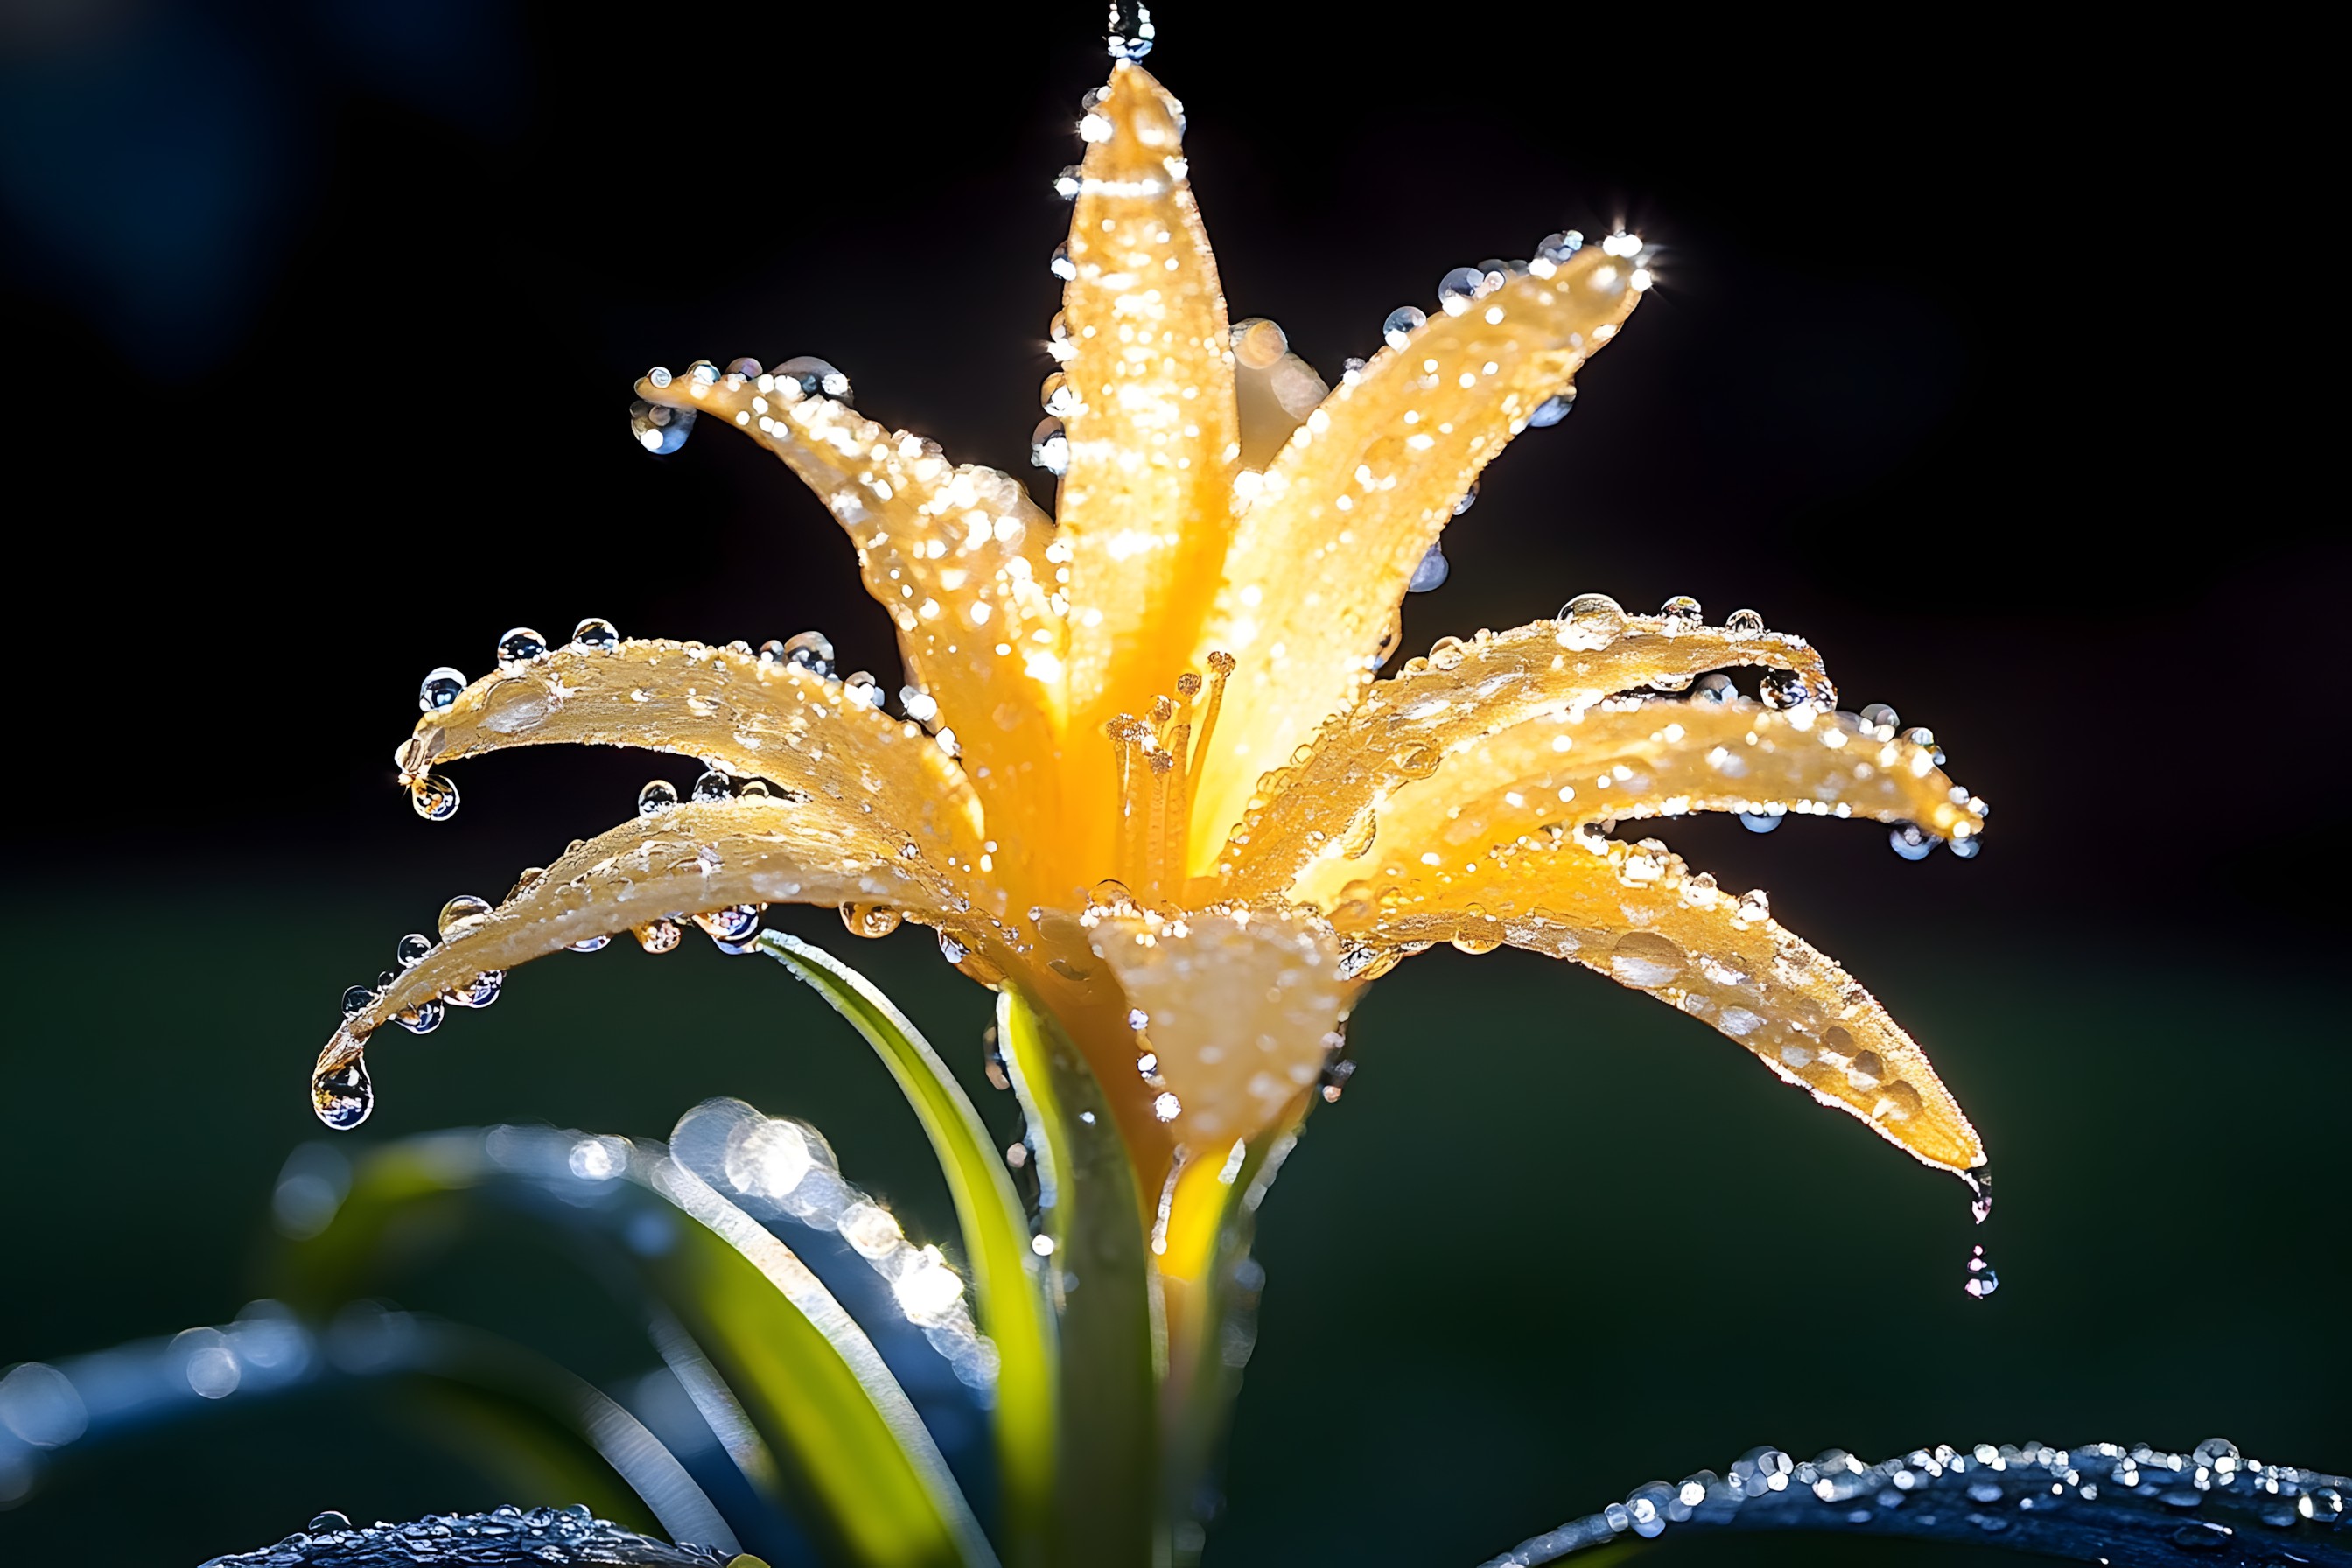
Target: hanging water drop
(1982, 1281)
(520, 646)
(480, 991)
(735, 923)
(1744, 623)
(440, 690)
(1716, 687)
(1131, 31)
(1965, 847)
(1553, 409)
(461, 914)
(1590, 622)
(1912, 841)
(1402, 322)
(1783, 688)
(714, 786)
(1049, 446)
(660, 936)
(433, 797)
(356, 999)
(659, 795)
(1979, 1182)
(1460, 289)
(1431, 572)
(658, 427)
(870, 920)
(591, 944)
(410, 950)
(342, 1095)
(1761, 821)
(814, 378)
(597, 634)
(421, 1019)
(953, 948)
(1469, 499)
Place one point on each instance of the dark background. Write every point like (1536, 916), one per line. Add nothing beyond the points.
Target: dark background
(1980, 359)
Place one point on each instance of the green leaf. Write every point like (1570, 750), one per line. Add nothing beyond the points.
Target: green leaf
(1009, 1305)
(862, 1472)
(1102, 1287)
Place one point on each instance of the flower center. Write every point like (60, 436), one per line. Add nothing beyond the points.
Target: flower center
(1158, 759)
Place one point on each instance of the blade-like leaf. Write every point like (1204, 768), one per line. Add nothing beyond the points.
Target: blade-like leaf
(1100, 1280)
(1010, 1307)
(862, 1473)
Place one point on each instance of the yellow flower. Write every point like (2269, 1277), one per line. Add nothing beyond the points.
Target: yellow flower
(1165, 795)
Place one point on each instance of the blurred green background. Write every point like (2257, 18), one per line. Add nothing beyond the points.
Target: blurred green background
(325, 318)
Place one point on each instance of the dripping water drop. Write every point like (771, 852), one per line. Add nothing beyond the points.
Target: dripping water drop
(1981, 1281)
(342, 1095)
(1431, 572)
(1553, 409)
(658, 427)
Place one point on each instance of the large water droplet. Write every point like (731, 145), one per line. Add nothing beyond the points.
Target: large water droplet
(870, 920)
(1131, 31)
(1880, 719)
(811, 651)
(1981, 1281)
(1401, 324)
(1049, 446)
(1783, 688)
(1744, 623)
(1912, 841)
(1590, 622)
(520, 646)
(480, 991)
(1682, 613)
(1432, 573)
(410, 950)
(659, 795)
(1553, 409)
(328, 1520)
(356, 998)
(1761, 821)
(734, 924)
(1058, 397)
(1460, 289)
(1559, 246)
(1645, 959)
(658, 427)
(597, 635)
(814, 378)
(1979, 1182)
(343, 1097)
(461, 914)
(433, 797)
(440, 690)
(1716, 687)
(714, 786)
(423, 1019)
(660, 936)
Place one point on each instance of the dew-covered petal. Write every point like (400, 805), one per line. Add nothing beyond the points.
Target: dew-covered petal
(1631, 758)
(1328, 536)
(1239, 1008)
(1637, 914)
(753, 717)
(685, 859)
(1404, 727)
(959, 555)
(1144, 507)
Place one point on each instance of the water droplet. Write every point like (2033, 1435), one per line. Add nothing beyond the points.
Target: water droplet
(1056, 398)
(356, 998)
(410, 950)
(1460, 289)
(2218, 1454)
(1060, 265)
(1755, 905)
(1979, 1182)
(860, 689)
(329, 1520)
(433, 797)
(659, 795)
(1744, 623)
(1761, 821)
(1049, 446)
(712, 785)
(1716, 687)
(1417, 762)
(1967, 847)
(480, 991)
(1981, 1281)
(1912, 841)
(919, 704)
(597, 635)
(735, 923)
(659, 376)
(951, 949)
(870, 920)
(1401, 324)
(1645, 959)
(660, 936)
(440, 690)
(746, 366)
(1468, 499)
(1431, 573)
(949, 743)
(1553, 409)
(814, 378)
(591, 944)
(2322, 1504)
(1681, 614)
(460, 912)
(704, 372)
(658, 427)
(1881, 720)
(811, 651)
(343, 1097)
(1131, 31)
(2203, 1535)
(520, 646)
(1590, 622)
(1783, 688)
(423, 1019)
(1559, 246)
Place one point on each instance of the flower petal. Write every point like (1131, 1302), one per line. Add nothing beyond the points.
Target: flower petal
(1144, 508)
(1404, 727)
(685, 859)
(960, 556)
(1330, 536)
(1636, 914)
(1636, 758)
(1240, 1008)
(753, 717)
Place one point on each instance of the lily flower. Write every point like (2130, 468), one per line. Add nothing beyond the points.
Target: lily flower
(1150, 777)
